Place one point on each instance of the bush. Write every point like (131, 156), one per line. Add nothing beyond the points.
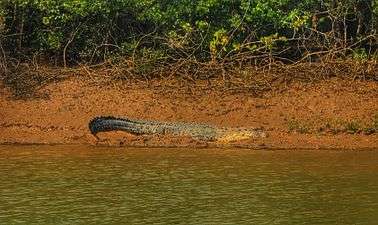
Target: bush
(83, 30)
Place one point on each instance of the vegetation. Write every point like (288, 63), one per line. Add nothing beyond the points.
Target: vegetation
(197, 39)
(208, 29)
(334, 126)
(298, 126)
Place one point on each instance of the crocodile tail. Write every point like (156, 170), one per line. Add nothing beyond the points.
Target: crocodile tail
(110, 123)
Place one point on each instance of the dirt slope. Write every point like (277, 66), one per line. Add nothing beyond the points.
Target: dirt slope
(320, 115)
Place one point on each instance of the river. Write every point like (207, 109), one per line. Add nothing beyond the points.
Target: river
(100, 185)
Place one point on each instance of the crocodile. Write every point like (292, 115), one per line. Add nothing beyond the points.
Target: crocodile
(202, 132)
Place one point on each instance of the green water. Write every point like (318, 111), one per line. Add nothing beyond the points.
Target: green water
(88, 185)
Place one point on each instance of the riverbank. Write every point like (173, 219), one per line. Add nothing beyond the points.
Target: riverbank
(329, 114)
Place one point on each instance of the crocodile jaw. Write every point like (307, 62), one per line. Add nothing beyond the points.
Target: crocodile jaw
(233, 136)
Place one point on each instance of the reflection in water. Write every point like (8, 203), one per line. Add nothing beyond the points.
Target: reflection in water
(87, 185)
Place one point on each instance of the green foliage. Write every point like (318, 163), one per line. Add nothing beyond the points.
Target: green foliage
(373, 128)
(360, 54)
(218, 43)
(271, 40)
(298, 126)
(91, 29)
(337, 126)
(353, 127)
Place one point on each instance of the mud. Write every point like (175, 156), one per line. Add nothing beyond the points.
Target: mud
(301, 116)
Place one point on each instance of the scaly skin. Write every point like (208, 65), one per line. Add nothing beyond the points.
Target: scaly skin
(197, 131)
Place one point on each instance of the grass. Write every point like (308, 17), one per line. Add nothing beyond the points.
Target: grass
(373, 128)
(353, 127)
(298, 126)
(335, 126)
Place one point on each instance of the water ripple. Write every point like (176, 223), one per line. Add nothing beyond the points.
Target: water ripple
(76, 185)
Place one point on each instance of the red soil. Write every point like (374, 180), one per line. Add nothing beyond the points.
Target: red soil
(62, 117)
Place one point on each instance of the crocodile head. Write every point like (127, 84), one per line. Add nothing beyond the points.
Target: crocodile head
(240, 134)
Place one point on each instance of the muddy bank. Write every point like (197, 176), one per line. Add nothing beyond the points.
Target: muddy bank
(333, 113)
